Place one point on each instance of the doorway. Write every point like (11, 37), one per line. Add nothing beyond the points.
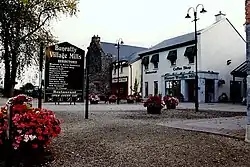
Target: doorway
(209, 90)
(191, 90)
(235, 91)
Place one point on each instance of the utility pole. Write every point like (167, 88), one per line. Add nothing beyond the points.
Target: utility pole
(247, 12)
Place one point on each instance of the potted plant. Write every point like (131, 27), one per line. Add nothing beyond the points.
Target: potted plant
(112, 99)
(171, 102)
(32, 128)
(137, 97)
(154, 105)
(130, 99)
(94, 99)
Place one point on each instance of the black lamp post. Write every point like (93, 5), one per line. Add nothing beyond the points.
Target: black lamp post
(196, 50)
(118, 44)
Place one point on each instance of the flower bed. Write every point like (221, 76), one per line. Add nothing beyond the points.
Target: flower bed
(31, 127)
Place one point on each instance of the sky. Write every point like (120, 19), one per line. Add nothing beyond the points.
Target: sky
(142, 22)
(139, 22)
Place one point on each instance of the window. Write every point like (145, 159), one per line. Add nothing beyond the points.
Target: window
(190, 53)
(155, 87)
(172, 57)
(146, 89)
(155, 60)
(145, 62)
(155, 65)
(114, 70)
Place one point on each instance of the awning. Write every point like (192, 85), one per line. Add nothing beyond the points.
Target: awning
(190, 52)
(172, 55)
(155, 58)
(240, 71)
(145, 60)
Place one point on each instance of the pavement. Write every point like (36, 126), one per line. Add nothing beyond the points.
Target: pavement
(223, 126)
(229, 126)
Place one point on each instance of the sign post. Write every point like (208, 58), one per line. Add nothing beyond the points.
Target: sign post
(64, 69)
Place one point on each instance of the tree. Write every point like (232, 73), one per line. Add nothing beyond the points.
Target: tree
(24, 25)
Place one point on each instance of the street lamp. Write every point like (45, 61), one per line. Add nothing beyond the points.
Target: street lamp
(118, 44)
(196, 50)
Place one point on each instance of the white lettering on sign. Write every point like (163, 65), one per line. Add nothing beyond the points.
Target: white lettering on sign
(65, 49)
(74, 56)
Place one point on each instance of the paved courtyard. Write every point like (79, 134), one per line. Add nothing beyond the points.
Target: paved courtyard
(125, 135)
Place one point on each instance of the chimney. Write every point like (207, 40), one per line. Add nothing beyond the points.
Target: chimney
(219, 16)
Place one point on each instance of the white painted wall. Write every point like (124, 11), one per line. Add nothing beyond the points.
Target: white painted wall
(136, 73)
(163, 68)
(219, 43)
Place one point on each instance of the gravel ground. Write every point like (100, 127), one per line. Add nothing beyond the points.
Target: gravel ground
(132, 139)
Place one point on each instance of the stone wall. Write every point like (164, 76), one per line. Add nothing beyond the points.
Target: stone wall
(100, 74)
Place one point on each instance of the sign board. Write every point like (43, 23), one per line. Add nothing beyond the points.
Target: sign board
(180, 76)
(64, 69)
(121, 79)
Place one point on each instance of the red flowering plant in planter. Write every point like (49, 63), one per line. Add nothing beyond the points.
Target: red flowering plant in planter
(112, 99)
(154, 104)
(130, 99)
(171, 102)
(32, 127)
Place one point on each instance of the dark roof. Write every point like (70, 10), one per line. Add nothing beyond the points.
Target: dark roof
(172, 42)
(128, 53)
(240, 71)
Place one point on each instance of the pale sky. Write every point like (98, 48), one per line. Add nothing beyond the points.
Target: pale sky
(139, 22)
(142, 22)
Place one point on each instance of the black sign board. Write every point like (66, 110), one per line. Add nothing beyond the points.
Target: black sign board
(64, 70)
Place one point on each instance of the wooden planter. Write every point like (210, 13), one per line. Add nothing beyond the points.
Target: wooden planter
(154, 110)
(171, 106)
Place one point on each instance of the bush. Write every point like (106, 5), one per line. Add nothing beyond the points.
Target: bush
(31, 127)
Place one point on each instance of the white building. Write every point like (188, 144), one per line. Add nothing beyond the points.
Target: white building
(129, 69)
(168, 67)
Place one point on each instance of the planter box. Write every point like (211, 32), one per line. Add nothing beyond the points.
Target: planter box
(154, 110)
(171, 106)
